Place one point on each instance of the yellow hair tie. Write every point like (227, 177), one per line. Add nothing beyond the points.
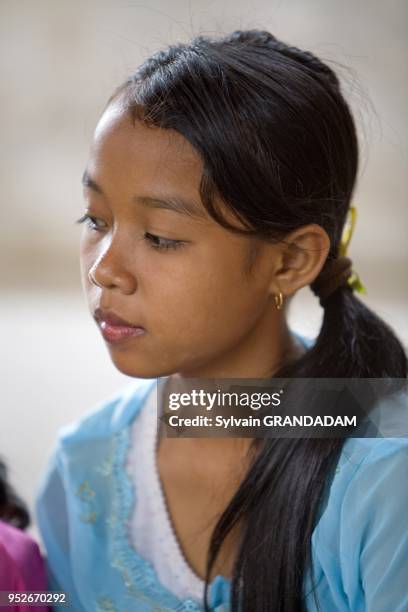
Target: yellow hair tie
(353, 280)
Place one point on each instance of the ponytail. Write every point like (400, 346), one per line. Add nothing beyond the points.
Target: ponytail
(270, 566)
(353, 342)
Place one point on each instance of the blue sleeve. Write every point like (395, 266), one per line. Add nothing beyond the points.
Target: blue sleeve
(374, 534)
(52, 518)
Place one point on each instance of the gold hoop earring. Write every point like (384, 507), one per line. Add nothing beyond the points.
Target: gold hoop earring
(278, 300)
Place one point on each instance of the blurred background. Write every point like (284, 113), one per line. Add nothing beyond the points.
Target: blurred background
(60, 61)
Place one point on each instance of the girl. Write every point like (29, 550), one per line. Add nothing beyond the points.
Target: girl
(21, 564)
(218, 184)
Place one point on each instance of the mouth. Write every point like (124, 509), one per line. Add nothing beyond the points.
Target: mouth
(115, 329)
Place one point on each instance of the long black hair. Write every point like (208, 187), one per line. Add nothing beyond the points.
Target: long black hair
(279, 146)
(12, 509)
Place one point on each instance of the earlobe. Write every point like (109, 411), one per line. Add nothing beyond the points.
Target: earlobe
(302, 255)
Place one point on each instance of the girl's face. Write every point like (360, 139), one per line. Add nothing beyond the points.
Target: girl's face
(161, 263)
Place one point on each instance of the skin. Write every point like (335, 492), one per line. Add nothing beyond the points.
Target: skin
(204, 313)
(229, 322)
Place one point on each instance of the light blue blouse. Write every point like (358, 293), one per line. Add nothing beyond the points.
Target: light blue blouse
(359, 545)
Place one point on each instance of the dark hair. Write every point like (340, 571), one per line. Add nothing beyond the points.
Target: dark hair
(12, 509)
(279, 146)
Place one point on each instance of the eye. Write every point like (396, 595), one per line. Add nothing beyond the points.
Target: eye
(163, 244)
(91, 222)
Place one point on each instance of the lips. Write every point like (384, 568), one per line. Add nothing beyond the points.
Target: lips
(111, 318)
(115, 329)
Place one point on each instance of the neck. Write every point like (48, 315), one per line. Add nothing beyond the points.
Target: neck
(257, 357)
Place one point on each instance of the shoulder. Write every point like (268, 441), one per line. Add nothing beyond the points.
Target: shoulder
(365, 468)
(360, 542)
(19, 551)
(359, 453)
(375, 474)
(17, 542)
(109, 416)
(367, 496)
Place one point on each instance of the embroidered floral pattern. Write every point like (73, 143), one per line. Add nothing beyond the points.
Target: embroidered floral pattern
(105, 604)
(138, 575)
(87, 496)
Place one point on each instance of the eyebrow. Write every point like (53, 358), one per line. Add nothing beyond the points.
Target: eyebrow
(174, 203)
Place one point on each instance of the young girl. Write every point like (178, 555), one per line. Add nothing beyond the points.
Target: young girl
(21, 565)
(218, 184)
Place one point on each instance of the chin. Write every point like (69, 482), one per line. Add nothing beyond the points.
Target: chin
(137, 367)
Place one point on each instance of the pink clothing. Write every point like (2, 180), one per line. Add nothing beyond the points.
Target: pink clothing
(21, 565)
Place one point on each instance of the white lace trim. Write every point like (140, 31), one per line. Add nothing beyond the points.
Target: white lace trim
(151, 530)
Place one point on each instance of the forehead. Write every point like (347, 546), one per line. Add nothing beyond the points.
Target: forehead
(138, 155)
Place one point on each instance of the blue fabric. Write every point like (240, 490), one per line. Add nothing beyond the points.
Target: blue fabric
(359, 545)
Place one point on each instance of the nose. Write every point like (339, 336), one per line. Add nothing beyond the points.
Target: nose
(110, 271)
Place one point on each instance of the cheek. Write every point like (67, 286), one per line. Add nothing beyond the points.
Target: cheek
(211, 304)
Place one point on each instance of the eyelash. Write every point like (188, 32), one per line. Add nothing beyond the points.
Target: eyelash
(89, 221)
(156, 242)
(163, 244)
